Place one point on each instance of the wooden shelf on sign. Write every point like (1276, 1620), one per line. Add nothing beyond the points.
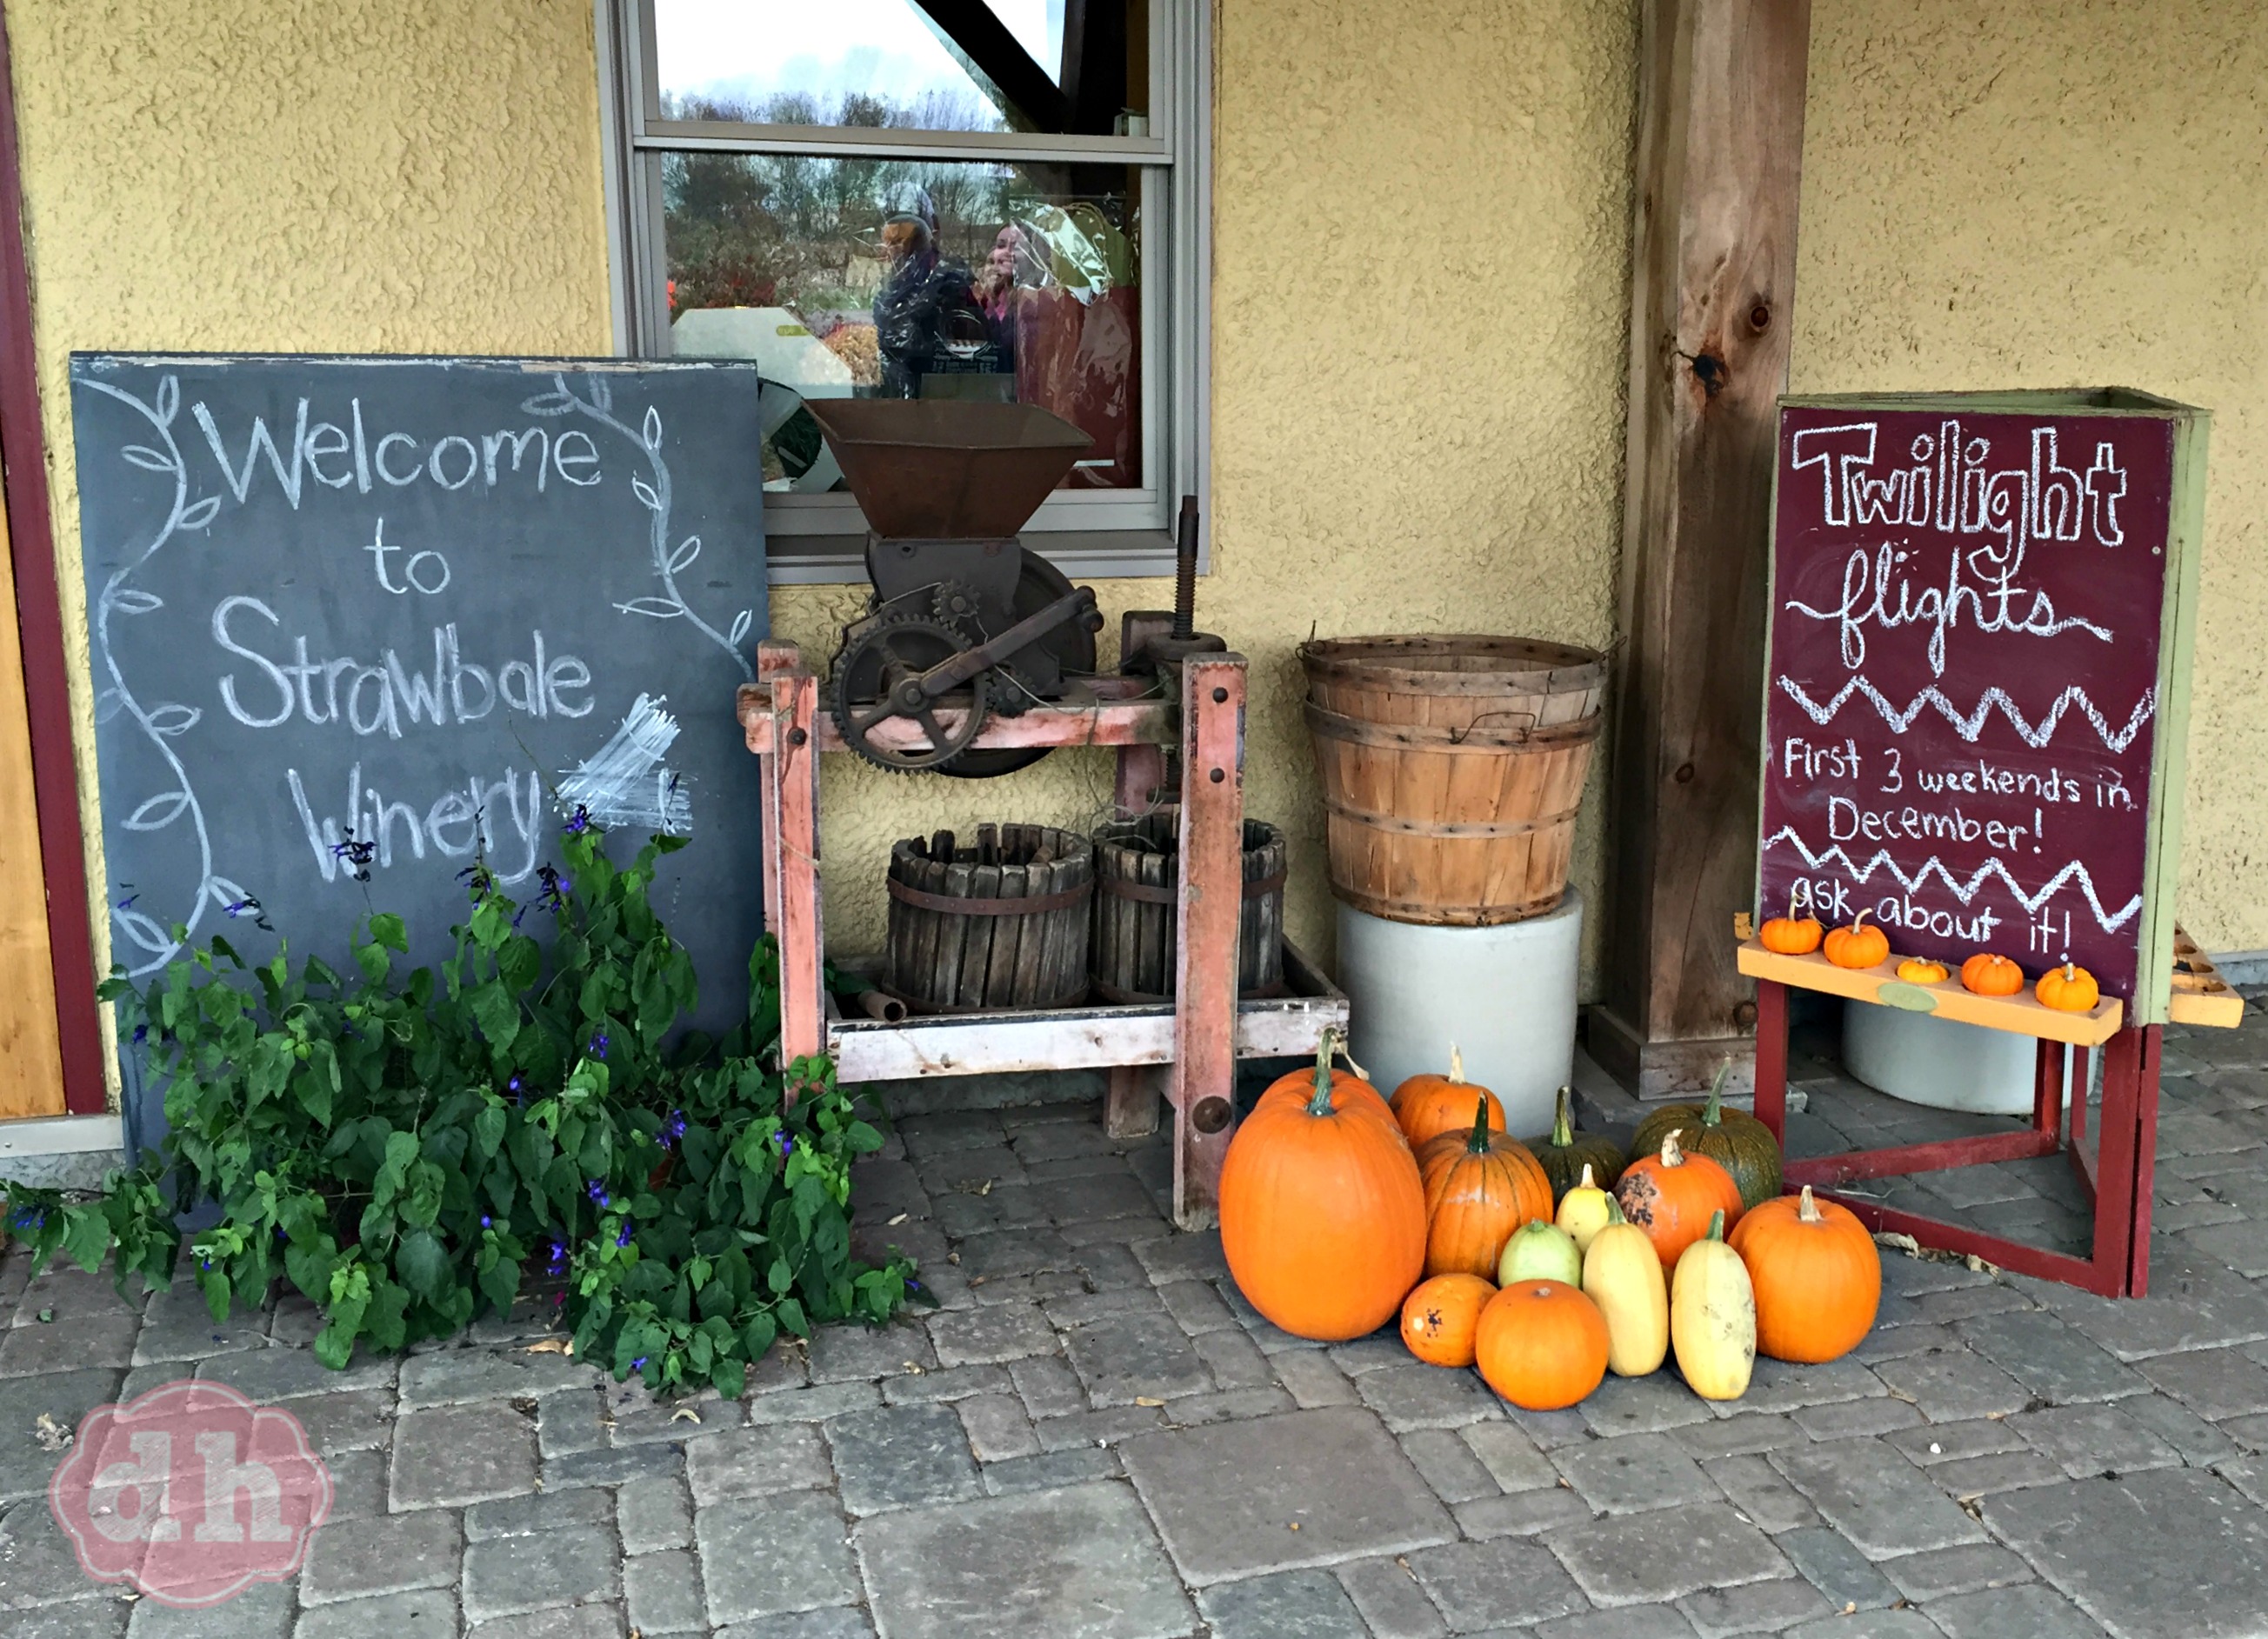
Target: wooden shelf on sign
(2200, 995)
(2022, 1014)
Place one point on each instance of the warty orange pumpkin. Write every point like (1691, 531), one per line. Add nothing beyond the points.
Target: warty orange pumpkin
(1818, 1278)
(1479, 1187)
(1322, 1218)
(1671, 1194)
(1427, 1106)
(1439, 1315)
(1541, 1345)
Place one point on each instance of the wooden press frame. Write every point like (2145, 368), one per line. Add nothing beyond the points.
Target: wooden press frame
(1193, 1042)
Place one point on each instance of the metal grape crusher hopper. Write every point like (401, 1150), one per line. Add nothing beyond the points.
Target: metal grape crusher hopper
(976, 658)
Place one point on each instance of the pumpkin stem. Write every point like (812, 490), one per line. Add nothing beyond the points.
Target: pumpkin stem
(1614, 1209)
(1806, 1209)
(1478, 1143)
(1791, 904)
(1587, 1183)
(1712, 1113)
(1859, 921)
(2068, 976)
(1321, 1104)
(1563, 1124)
(1456, 1064)
(1717, 1225)
(1671, 1155)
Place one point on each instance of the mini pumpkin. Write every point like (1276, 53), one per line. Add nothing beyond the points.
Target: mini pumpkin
(1818, 1278)
(1791, 935)
(1564, 1153)
(1670, 1196)
(1915, 970)
(1426, 1105)
(1584, 1211)
(2069, 988)
(1478, 1187)
(1322, 1216)
(1857, 945)
(1987, 974)
(1541, 1345)
(1438, 1316)
(1713, 1317)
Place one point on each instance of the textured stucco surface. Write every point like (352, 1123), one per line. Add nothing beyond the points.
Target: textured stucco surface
(2045, 194)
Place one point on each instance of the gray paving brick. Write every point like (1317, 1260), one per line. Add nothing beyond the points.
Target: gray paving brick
(2198, 1441)
(650, 1514)
(1736, 1436)
(1123, 1359)
(100, 1338)
(1381, 1351)
(1939, 1307)
(946, 1383)
(1051, 1470)
(1954, 1385)
(981, 1336)
(1754, 1607)
(1900, 1623)
(997, 1428)
(612, 1467)
(662, 1593)
(640, 1417)
(1511, 1458)
(427, 1614)
(1942, 1573)
(261, 1612)
(757, 1462)
(2241, 1243)
(357, 1484)
(1077, 1563)
(1223, 1404)
(2049, 1358)
(1853, 1418)
(2024, 1613)
(510, 1575)
(1632, 1621)
(570, 1422)
(38, 1565)
(1198, 1306)
(1480, 1586)
(1897, 1341)
(2091, 1439)
(270, 1375)
(1778, 1385)
(1949, 1441)
(1414, 1396)
(457, 1377)
(1521, 1513)
(1549, 1429)
(1841, 1573)
(1972, 1477)
(1233, 1358)
(761, 1557)
(1647, 1405)
(2194, 1303)
(1664, 1554)
(1392, 1604)
(1226, 1498)
(460, 1454)
(1183, 1256)
(1873, 1496)
(1448, 1466)
(1079, 1307)
(1049, 1387)
(361, 1558)
(906, 1457)
(842, 1353)
(815, 1404)
(1290, 1605)
(2214, 1383)
(1106, 1427)
(343, 1422)
(1021, 1252)
(536, 1513)
(839, 1621)
(600, 1620)
(2248, 1475)
(1636, 1472)
(1313, 1379)
(1759, 1491)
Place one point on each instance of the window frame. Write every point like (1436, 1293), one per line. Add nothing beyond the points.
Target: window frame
(820, 539)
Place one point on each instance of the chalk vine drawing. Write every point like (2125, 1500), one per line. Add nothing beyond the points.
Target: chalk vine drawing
(624, 784)
(2111, 921)
(607, 775)
(1971, 727)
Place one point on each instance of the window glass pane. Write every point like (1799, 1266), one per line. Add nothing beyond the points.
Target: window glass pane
(914, 279)
(1080, 66)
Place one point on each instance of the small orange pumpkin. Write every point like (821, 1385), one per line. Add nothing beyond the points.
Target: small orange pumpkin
(1987, 974)
(1914, 970)
(1323, 1219)
(1426, 1105)
(2068, 988)
(1791, 935)
(1480, 1187)
(1670, 1196)
(1818, 1279)
(1438, 1316)
(1857, 945)
(1541, 1345)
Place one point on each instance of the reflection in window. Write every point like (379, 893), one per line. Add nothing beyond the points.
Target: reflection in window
(909, 278)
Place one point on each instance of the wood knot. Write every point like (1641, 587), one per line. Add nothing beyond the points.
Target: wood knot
(1710, 371)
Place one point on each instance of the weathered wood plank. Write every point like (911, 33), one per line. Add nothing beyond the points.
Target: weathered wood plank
(1211, 902)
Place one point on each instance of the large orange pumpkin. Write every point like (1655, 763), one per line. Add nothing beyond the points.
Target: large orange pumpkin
(1438, 1316)
(1671, 1194)
(1480, 1185)
(1817, 1278)
(1541, 1345)
(1323, 1219)
(1428, 1106)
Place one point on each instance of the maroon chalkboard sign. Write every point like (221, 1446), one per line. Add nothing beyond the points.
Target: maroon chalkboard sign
(1967, 659)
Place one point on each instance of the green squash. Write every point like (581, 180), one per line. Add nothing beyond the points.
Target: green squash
(1564, 1152)
(1743, 1145)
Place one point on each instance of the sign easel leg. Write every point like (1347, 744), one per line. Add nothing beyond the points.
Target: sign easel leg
(1211, 900)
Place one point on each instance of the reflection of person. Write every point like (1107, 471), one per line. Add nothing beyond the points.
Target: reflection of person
(996, 292)
(921, 288)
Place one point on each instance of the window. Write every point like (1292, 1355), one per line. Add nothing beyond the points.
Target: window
(996, 200)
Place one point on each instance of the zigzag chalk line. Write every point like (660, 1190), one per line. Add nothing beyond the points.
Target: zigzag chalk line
(1972, 726)
(2031, 902)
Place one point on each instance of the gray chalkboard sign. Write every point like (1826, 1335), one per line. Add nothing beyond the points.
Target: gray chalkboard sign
(425, 605)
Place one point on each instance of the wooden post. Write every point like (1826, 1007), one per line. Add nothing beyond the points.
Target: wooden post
(1720, 141)
(791, 795)
(1212, 900)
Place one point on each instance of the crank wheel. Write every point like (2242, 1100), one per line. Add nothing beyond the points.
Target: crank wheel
(878, 684)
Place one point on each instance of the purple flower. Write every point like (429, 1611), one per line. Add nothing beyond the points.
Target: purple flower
(127, 902)
(623, 1239)
(596, 1048)
(638, 1364)
(140, 1034)
(597, 1191)
(205, 1263)
(580, 822)
(912, 1285)
(786, 1144)
(486, 1221)
(516, 1087)
(555, 887)
(558, 1260)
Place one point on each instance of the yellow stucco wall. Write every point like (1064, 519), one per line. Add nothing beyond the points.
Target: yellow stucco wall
(1421, 238)
(2047, 195)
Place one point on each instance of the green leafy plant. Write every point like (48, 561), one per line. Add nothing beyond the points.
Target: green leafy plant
(400, 1148)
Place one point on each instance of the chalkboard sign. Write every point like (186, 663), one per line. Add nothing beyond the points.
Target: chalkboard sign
(410, 611)
(1978, 646)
